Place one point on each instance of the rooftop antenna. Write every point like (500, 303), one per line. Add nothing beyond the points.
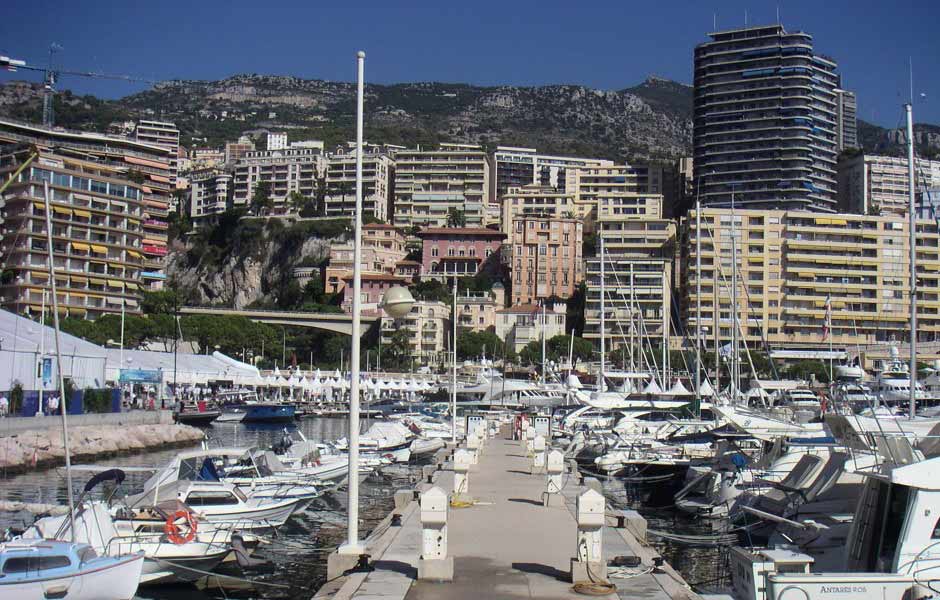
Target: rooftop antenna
(745, 17)
(778, 14)
(714, 21)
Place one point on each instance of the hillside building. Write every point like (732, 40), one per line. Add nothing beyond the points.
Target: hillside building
(872, 184)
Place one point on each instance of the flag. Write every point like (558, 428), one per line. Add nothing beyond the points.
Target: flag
(827, 325)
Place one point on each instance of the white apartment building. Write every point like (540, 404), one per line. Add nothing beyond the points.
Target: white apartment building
(518, 326)
(429, 183)
(164, 134)
(428, 325)
(872, 184)
(517, 167)
(340, 194)
(210, 194)
(285, 171)
(277, 141)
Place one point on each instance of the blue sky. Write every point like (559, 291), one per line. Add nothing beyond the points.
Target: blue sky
(611, 44)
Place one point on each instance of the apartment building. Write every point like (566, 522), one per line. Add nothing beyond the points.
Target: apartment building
(276, 141)
(283, 171)
(520, 167)
(638, 246)
(846, 120)
(161, 133)
(210, 195)
(545, 257)
(377, 176)
(536, 200)
(637, 182)
(97, 214)
(765, 120)
(145, 165)
(790, 262)
(431, 183)
(459, 251)
(428, 326)
(373, 288)
(476, 311)
(520, 325)
(872, 184)
(383, 250)
(234, 151)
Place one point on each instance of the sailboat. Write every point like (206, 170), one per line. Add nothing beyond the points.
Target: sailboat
(65, 570)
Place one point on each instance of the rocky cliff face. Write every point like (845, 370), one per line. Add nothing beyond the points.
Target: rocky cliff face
(256, 265)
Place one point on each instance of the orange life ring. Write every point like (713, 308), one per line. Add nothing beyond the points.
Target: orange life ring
(172, 530)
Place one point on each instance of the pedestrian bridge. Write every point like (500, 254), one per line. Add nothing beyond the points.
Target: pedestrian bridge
(335, 322)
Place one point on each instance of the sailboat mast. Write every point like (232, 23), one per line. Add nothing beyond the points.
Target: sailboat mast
(698, 302)
(734, 306)
(63, 401)
(603, 332)
(913, 243)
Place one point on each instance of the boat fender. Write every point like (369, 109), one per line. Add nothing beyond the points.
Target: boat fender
(173, 532)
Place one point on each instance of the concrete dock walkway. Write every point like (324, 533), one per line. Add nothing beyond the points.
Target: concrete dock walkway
(505, 546)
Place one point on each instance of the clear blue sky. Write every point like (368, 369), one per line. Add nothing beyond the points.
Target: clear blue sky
(611, 44)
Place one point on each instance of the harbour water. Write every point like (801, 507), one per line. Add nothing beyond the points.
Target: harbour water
(297, 554)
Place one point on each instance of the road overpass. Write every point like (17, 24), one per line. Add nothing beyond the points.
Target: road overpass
(335, 322)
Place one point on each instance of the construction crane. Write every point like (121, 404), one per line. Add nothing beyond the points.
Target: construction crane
(51, 78)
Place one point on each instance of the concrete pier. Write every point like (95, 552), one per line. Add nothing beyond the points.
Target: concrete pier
(507, 545)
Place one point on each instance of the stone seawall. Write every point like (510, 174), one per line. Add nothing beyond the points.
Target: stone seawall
(44, 447)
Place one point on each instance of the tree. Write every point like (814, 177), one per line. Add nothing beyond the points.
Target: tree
(456, 218)
(261, 199)
(397, 354)
(805, 369)
(298, 202)
(474, 344)
(556, 349)
(574, 317)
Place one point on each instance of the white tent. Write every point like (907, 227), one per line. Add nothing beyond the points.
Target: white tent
(679, 390)
(652, 388)
(706, 390)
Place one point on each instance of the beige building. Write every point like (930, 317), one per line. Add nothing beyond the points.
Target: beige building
(545, 257)
(870, 184)
(521, 167)
(383, 249)
(638, 246)
(429, 327)
(430, 183)
(640, 188)
(476, 311)
(339, 198)
(790, 262)
(535, 200)
(97, 231)
(146, 166)
(518, 326)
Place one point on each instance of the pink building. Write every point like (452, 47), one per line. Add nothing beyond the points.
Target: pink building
(374, 286)
(463, 251)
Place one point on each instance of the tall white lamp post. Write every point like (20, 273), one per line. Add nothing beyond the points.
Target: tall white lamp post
(352, 545)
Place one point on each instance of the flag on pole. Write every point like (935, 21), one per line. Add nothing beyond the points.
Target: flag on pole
(827, 325)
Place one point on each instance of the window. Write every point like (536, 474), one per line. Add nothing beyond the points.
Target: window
(211, 499)
(434, 251)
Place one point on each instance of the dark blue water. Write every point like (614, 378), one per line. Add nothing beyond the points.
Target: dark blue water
(296, 558)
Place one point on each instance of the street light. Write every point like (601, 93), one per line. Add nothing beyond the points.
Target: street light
(397, 302)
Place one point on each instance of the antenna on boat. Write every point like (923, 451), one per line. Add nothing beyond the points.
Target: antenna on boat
(58, 358)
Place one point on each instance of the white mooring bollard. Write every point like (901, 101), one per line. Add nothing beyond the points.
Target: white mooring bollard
(473, 445)
(589, 564)
(555, 468)
(434, 564)
(529, 439)
(462, 461)
(538, 455)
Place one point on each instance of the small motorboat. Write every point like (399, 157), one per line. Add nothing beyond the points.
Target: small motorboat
(268, 413)
(49, 569)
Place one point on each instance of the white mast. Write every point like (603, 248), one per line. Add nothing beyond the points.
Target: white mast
(698, 297)
(600, 373)
(913, 243)
(42, 345)
(63, 401)
(734, 306)
(544, 372)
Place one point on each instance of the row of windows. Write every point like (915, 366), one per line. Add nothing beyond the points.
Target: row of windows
(82, 183)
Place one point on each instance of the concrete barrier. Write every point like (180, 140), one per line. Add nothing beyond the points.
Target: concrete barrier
(15, 425)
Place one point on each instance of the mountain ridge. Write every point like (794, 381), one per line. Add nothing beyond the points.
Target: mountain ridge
(650, 120)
